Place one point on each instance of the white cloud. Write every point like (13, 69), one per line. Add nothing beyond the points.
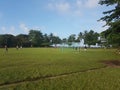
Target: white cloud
(43, 28)
(55, 34)
(12, 30)
(24, 27)
(8, 30)
(62, 7)
(79, 3)
(77, 13)
(91, 3)
(50, 6)
(76, 8)
(3, 29)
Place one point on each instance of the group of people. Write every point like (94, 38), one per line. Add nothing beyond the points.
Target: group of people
(6, 47)
(78, 48)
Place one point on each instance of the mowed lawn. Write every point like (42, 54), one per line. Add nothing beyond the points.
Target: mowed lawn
(58, 69)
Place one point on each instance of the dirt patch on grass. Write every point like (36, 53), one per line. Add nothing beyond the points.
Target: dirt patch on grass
(112, 63)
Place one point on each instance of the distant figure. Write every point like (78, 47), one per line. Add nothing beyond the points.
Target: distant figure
(17, 47)
(6, 48)
(76, 48)
(79, 49)
(85, 48)
(73, 47)
(21, 47)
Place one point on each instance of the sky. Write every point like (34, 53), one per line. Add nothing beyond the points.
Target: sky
(60, 17)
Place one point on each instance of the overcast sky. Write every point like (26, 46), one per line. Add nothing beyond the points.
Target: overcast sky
(61, 17)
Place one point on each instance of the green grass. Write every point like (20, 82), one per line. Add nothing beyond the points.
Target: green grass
(27, 68)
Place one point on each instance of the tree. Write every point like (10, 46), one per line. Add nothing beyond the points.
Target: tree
(80, 37)
(7, 39)
(35, 37)
(54, 39)
(46, 41)
(64, 40)
(51, 38)
(112, 19)
(23, 40)
(91, 37)
(72, 38)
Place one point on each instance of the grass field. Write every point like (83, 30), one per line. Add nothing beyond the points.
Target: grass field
(57, 69)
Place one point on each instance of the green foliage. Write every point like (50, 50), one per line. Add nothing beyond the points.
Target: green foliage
(80, 37)
(112, 19)
(56, 40)
(35, 37)
(7, 39)
(91, 37)
(72, 38)
(23, 40)
(113, 14)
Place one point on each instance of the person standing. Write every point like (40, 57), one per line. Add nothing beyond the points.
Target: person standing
(17, 47)
(6, 48)
(85, 48)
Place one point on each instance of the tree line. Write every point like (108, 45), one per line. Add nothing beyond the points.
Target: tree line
(36, 38)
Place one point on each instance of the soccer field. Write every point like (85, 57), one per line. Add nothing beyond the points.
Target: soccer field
(59, 69)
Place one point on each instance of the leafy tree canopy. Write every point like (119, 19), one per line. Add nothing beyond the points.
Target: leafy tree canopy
(112, 19)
